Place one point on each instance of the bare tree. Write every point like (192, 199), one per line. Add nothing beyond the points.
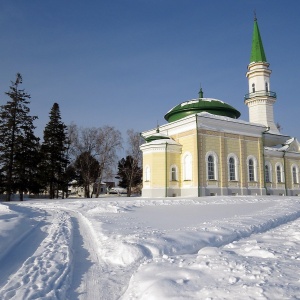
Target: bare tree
(134, 141)
(100, 143)
(109, 141)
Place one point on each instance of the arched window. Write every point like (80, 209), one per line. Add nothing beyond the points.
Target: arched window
(295, 174)
(253, 87)
(232, 167)
(187, 167)
(279, 173)
(267, 87)
(252, 168)
(174, 176)
(147, 173)
(267, 173)
(211, 166)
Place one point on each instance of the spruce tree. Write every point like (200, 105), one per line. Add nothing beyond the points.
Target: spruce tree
(26, 163)
(54, 153)
(18, 144)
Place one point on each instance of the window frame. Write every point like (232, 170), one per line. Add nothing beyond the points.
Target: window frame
(174, 178)
(147, 173)
(279, 173)
(295, 175)
(269, 166)
(235, 165)
(252, 177)
(213, 164)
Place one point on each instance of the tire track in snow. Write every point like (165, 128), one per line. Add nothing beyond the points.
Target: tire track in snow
(102, 280)
(43, 274)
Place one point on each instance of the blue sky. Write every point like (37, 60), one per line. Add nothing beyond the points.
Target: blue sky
(125, 63)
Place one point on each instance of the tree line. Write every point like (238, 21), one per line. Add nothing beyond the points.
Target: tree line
(67, 153)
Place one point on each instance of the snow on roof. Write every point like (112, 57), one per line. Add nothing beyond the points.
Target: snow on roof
(212, 116)
(280, 149)
(163, 141)
(289, 141)
(193, 101)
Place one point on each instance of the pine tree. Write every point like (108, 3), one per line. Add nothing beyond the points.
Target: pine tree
(54, 152)
(18, 144)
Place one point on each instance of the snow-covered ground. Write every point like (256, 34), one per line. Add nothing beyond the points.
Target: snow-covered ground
(135, 248)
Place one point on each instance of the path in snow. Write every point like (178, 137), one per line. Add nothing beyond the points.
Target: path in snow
(47, 265)
(138, 249)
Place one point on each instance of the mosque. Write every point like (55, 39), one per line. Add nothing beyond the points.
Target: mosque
(205, 150)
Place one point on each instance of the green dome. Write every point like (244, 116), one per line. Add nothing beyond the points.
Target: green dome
(157, 136)
(194, 106)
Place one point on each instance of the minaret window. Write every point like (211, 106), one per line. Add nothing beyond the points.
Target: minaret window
(267, 87)
(253, 87)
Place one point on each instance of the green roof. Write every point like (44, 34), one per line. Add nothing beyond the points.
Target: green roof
(195, 106)
(257, 52)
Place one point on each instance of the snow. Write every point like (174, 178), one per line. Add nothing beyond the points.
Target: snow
(193, 101)
(240, 247)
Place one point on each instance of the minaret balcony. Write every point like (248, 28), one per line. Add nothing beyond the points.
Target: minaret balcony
(260, 94)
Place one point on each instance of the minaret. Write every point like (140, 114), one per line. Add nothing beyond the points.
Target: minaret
(260, 99)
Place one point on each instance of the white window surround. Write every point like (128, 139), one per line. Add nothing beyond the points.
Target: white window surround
(236, 168)
(187, 162)
(252, 168)
(268, 164)
(279, 173)
(173, 173)
(295, 174)
(215, 165)
(147, 173)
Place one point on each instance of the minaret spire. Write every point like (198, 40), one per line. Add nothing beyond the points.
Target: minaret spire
(257, 52)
